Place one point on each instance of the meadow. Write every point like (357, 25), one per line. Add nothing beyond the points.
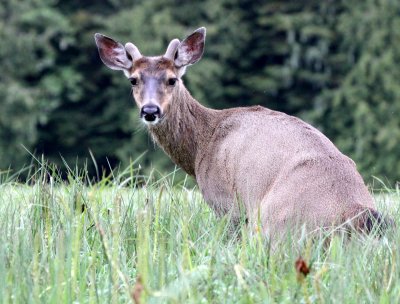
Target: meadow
(128, 238)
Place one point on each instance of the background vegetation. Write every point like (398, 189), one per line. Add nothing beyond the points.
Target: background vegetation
(333, 63)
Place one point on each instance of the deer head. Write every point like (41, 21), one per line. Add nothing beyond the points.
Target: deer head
(155, 80)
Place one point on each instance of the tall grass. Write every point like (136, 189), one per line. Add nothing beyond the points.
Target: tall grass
(114, 242)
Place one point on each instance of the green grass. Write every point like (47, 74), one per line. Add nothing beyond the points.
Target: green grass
(107, 242)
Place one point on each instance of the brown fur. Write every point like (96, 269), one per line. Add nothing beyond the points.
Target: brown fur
(273, 163)
(280, 169)
(153, 65)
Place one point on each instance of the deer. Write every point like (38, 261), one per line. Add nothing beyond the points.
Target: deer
(276, 169)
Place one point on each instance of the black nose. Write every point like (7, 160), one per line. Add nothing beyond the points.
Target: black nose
(150, 112)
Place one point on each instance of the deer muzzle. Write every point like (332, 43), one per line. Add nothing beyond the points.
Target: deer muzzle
(150, 113)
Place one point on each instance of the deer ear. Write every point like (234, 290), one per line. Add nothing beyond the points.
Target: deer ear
(112, 53)
(191, 49)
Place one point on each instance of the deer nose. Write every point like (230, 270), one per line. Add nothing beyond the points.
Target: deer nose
(150, 113)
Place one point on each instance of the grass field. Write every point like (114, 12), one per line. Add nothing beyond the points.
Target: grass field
(108, 242)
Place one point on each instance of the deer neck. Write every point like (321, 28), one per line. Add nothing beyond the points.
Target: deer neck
(186, 127)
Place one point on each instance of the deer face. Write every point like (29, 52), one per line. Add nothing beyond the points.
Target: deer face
(155, 80)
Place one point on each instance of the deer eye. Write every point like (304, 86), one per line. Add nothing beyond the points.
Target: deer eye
(133, 81)
(172, 81)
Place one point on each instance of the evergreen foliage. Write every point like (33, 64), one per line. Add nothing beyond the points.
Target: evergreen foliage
(362, 112)
(32, 33)
(333, 63)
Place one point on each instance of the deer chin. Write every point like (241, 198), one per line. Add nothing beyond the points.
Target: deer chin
(151, 122)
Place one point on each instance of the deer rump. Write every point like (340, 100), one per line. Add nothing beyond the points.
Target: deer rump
(280, 171)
